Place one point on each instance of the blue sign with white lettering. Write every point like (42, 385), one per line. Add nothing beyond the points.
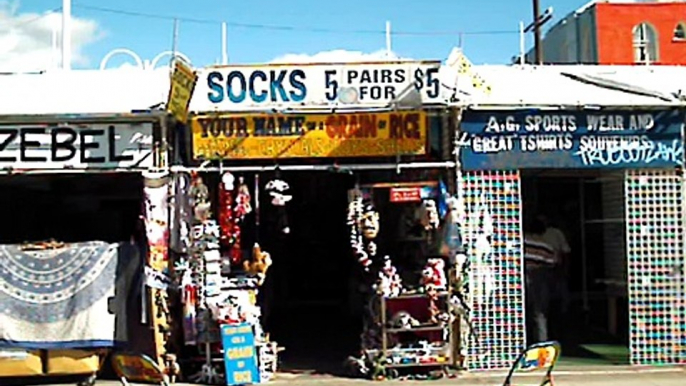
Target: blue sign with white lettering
(507, 140)
(240, 354)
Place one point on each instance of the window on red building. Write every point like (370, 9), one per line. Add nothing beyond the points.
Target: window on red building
(645, 44)
(680, 32)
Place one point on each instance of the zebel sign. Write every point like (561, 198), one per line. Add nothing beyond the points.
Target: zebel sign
(76, 146)
(236, 88)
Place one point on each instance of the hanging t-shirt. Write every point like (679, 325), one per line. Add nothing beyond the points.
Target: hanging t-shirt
(537, 250)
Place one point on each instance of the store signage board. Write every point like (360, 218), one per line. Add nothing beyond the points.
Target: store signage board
(507, 140)
(277, 86)
(183, 80)
(240, 354)
(78, 146)
(270, 136)
(402, 195)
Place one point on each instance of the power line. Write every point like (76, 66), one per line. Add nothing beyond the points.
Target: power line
(285, 27)
(34, 19)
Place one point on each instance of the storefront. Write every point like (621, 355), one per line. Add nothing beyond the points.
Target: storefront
(285, 162)
(74, 246)
(610, 180)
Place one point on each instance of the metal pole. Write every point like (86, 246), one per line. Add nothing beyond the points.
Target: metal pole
(225, 52)
(537, 32)
(332, 167)
(66, 34)
(522, 43)
(175, 40)
(389, 50)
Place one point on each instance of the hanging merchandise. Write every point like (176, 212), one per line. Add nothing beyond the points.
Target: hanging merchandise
(156, 189)
(156, 215)
(363, 220)
(243, 205)
(389, 283)
(181, 211)
(451, 237)
(211, 297)
(226, 219)
(231, 214)
(428, 214)
(189, 301)
(278, 191)
(241, 208)
(199, 194)
(433, 275)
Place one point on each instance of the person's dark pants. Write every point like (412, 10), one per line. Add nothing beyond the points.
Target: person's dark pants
(538, 287)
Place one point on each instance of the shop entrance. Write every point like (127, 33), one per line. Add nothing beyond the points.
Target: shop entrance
(310, 309)
(589, 307)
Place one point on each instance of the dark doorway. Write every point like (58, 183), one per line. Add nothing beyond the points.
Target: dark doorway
(591, 322)
(308, 307)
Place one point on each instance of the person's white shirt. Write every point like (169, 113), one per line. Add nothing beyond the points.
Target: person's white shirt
(556, 239)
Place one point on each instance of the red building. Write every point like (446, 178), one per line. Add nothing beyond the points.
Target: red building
(619, 32)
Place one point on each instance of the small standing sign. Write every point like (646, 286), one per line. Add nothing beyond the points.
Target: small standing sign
(240, 355)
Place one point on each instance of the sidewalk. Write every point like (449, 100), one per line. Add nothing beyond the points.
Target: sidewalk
(577, 377)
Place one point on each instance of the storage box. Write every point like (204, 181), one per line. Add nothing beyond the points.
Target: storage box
(66, 362)
(20, 363)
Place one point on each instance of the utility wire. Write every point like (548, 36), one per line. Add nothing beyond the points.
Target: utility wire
(285, 27)
(33, 19)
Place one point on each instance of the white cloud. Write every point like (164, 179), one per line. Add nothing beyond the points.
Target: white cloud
(338, 56)
(26, 39)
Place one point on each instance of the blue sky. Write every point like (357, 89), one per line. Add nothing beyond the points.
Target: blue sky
(482, 23)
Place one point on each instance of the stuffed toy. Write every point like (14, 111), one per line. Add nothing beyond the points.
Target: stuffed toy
(389, 283)
(172, 369)
(199, 198)
(428, 214)
(363, 221)
(433, 275)
(278, 191)
(260, 263)
(402, 319)
(243, 198)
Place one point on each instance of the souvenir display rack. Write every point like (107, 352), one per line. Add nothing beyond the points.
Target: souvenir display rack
(435, 339)
(655, 239)
(219, 285)
(493, 237)
(410, 321)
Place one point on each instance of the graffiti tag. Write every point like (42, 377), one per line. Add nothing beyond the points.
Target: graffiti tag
(617, 150)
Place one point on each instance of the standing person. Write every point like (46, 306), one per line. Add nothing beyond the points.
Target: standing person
(539, 260)
(556, 238)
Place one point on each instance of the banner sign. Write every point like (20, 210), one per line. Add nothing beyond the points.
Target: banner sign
(402, 195)
(241, 88)
(79, 146)
(575, 139)
(183, 82)
(295, 136)
(240, 355)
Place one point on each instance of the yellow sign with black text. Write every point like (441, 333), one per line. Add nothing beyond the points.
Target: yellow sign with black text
(183, 82)
(269, 136)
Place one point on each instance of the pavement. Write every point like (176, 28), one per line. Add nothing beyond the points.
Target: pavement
(668, 376)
